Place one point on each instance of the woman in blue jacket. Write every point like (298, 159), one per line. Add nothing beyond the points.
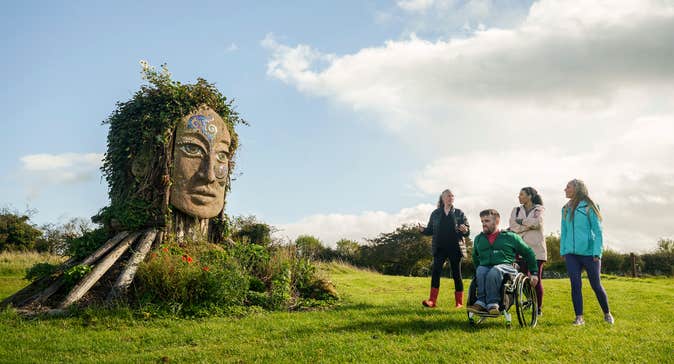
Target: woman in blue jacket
(581, 247)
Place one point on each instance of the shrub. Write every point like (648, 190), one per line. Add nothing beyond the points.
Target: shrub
(191, 282)
(613, 262)
(658, 263)
(73, 274)
(40, 270)
(82, 246)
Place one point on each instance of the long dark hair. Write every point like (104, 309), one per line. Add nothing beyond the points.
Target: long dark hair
(535, 197)
(580, 195)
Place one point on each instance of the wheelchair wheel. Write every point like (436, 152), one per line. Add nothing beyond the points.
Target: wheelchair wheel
(525, 302)
(473, 319)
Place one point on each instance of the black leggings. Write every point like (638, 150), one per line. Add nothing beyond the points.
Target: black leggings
(454, 262)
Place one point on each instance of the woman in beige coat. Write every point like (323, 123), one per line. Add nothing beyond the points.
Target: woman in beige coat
(527, 220)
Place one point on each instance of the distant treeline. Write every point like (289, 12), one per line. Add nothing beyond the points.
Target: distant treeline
(405, 251)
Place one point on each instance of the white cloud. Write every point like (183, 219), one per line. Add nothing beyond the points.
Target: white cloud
(415, 5)
(577, 89)
(453, 17)
(55, 162)
(631, 177)
(330, 228)
(555, 59)
(42, 170)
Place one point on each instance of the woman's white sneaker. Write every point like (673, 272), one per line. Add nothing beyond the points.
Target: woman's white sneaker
(609, 318)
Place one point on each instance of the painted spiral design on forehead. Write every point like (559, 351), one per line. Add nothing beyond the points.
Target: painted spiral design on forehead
(203, 124)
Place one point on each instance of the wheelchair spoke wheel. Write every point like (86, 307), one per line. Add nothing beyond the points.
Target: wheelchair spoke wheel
(525, 303)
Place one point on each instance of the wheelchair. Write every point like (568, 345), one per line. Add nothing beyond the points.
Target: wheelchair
(517, 290)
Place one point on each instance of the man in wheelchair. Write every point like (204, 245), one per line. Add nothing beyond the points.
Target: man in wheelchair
(493, 255)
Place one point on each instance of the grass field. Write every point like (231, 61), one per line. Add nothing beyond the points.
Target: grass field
(380, 319)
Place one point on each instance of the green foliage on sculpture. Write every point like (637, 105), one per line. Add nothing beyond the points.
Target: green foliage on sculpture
(139, 159)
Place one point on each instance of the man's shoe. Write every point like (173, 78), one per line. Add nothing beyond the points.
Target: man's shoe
(476, 309)
(494, 310)
(540, 312)
(609, 318)
(579, 321)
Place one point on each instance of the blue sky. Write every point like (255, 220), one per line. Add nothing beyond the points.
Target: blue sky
(361, 112)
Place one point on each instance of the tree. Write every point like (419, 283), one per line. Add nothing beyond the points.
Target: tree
(309, 247)
(256, 232)
(348, 249)
(402, 252)
(552, 244)
(666, 245)
(16, 233)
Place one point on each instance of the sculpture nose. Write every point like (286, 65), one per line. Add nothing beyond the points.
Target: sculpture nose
(207, 169)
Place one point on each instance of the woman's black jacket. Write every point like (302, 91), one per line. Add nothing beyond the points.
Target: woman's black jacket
(433, 228)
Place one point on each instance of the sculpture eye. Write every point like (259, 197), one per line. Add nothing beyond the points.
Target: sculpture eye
(221, 157)
(192, 150)
(220, 170)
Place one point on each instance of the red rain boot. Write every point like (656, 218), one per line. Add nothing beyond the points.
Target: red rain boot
(458, 297)
(430, 302)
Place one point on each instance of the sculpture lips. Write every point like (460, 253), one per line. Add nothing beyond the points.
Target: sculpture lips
(205, 193)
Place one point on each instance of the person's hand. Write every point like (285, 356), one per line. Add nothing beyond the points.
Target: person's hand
(595, 259)
(420, 228)
(534, 281)
(463, 228)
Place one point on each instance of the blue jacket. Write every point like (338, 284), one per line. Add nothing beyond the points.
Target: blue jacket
(582, 235)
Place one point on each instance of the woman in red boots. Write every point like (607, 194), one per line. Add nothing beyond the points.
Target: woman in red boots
(448, 226)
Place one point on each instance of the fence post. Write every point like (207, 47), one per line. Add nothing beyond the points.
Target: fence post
(633, 257)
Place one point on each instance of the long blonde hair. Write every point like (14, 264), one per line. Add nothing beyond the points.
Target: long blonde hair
(580, 195)
(440, 203)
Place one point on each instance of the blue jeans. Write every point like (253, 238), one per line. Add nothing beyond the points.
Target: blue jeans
(488, 283)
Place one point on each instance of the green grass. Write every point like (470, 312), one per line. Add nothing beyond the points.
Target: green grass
(380, 319)
(15, 263)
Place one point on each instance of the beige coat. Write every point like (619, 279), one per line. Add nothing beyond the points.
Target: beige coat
(531, 229)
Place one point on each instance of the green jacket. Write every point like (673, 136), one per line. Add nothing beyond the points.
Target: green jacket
(505, 247)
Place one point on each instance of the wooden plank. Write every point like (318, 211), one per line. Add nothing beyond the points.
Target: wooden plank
(42, 296)
(101, 268)
(126, 277)
(105, 248)
(33, 286)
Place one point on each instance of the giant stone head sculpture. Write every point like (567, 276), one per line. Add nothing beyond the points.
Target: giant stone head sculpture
(201, 164)
(170, 156)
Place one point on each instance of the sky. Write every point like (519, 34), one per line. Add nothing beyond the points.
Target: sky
(361, 112)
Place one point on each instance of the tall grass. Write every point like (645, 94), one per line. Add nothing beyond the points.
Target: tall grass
(16, 263)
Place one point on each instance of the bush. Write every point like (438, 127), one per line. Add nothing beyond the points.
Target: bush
(73, 274)
(613, 262)
(82, 246)
(191, 282)
(40, 270)
(658, 263)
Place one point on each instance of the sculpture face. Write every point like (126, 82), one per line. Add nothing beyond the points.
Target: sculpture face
(201, 162)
